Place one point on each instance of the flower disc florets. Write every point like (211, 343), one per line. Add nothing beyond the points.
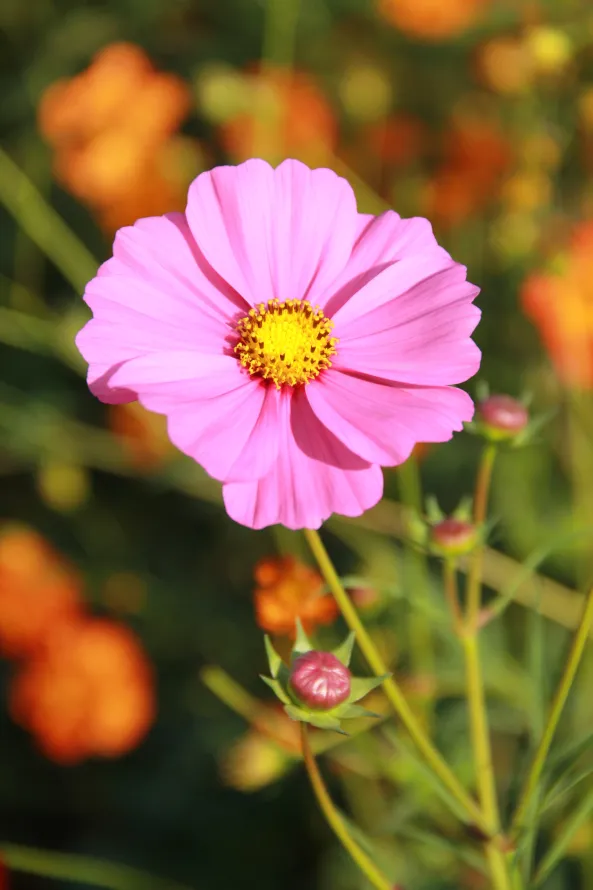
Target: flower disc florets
(288, 343)
(317, 687)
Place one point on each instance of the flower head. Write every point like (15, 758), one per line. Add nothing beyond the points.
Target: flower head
(432, 19)
(293, 344)
(286, 591)
(88, 692)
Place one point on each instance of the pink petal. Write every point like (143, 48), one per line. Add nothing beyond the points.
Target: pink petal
(411, 332)
(156, 294)
(314, 476)
(363, 414)
(161, 249)
(283, 233)
(234, 435)
(382, 240)
(382, 422)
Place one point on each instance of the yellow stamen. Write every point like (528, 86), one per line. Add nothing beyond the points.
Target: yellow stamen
(287, 342)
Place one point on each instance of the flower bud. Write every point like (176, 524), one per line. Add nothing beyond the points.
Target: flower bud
(452, 537)
(503, 416)
(319, 680)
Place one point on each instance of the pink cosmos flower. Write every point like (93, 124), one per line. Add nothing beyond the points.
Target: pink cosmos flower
(294, 344)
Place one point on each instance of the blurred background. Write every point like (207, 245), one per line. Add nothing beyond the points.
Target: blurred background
(130, 605)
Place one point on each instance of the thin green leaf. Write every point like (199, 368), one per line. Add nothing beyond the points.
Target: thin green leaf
(302, 642)
(353, 711)
(361, 686)
(274, 659)
(344, 651)
(531, 564)
(558, 849)
(276, 688)
(557, 792)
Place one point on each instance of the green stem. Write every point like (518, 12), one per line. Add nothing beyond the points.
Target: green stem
(43, 225)
(81, 869)
(391, 688)
(420, 636)
(476, 699)
(452, 594)
(574, 657)
(474, 581)
(365, 864)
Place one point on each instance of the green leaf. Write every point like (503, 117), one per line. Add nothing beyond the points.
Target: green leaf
(557, 850)
(302, 643)
(352, 711)
(344, 651)
(361, 686)
(325, 721)
(274, 659)
(297, 714)
(276, 688)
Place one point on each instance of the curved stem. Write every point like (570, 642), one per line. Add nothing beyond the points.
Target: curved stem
(474, 581)
(365, 864)
(572, 663)
(80, 869)
(392, 690)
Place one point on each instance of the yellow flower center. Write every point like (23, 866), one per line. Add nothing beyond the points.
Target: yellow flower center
(288, 342)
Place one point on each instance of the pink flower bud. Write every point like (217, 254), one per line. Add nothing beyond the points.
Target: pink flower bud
(320, 680)
(504, 414)
(453, 536)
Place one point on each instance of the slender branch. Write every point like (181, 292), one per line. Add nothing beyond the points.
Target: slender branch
(572, 663)
(365, 864)
(392, 690)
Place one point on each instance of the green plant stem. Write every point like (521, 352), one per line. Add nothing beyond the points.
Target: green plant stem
(476, 699)
(401, 707)
(452, 594)
(365, 864)
(81, 869)
(572, 663)
(43, 225)
(416, 575)
(474, 581)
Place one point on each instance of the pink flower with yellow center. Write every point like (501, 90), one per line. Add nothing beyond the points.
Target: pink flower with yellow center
(294, 344)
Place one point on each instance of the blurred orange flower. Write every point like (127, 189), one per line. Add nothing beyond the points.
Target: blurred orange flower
(37, 591)
(287, 590)
(302, 124)
(560, 303)
(432, 19)
(111, 126)
(397, 141)
(88, 692)
(142, 434)
(476, 156)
